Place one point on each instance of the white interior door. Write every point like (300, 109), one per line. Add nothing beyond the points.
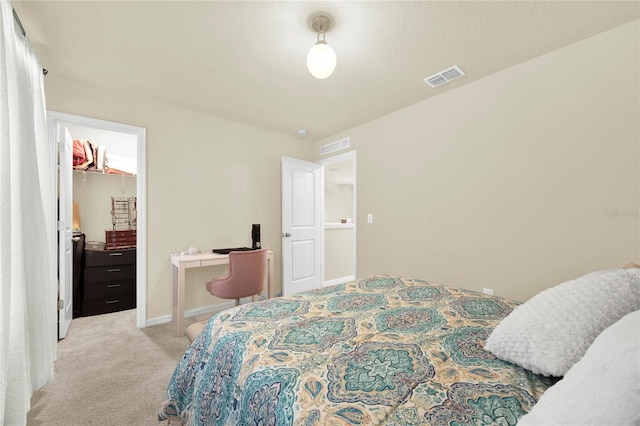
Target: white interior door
(65, 230)
(302, 231)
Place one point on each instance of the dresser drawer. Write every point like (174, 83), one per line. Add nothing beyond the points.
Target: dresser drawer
(109, 290)
(109, 273)
(104, 306)
(109, 257)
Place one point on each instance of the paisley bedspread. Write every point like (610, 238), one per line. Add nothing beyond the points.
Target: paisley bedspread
(377, 351)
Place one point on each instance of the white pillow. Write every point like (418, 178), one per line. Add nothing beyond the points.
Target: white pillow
(551, 332)
(603, 388)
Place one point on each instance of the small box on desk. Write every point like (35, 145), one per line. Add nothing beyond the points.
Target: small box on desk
(120, 239)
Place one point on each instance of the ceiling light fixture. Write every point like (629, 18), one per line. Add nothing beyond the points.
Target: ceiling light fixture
(321, 59)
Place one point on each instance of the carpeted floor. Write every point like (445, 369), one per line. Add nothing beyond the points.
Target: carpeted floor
(108, 372)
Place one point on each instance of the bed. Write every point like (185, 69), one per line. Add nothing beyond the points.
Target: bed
(381, 350)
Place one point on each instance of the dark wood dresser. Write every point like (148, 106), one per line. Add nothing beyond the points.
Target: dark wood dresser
(109, 279)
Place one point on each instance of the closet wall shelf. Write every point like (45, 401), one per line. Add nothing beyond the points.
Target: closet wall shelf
(101, 172)
(338, 225)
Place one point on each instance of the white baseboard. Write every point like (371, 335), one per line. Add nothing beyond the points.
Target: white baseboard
(205, 310)
(340, 280)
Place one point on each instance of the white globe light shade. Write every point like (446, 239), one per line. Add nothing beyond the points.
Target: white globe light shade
(321, 60)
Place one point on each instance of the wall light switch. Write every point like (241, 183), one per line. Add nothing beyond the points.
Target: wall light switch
(370, 218)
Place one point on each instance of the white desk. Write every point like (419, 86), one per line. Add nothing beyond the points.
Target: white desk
(179, 264)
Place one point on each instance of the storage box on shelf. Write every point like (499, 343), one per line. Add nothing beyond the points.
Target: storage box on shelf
(120, 239)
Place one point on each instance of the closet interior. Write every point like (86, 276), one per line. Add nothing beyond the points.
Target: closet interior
(104, 220)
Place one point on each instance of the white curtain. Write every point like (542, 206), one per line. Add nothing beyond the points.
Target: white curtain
(28, 281)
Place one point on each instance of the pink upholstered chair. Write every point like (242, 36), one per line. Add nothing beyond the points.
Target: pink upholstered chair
(246, 276)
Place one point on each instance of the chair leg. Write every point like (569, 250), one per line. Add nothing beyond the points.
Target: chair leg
(237, 302)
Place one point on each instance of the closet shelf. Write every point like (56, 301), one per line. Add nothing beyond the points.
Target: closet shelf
(102, 172)
(338, 225)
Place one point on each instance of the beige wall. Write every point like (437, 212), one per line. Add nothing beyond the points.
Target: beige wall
(338, 252)
(92, 192)
(339, 239)
(338, 202)
(515, 182)
(208, 180)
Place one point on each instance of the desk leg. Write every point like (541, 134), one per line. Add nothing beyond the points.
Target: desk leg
(270, 277)
(177, 297)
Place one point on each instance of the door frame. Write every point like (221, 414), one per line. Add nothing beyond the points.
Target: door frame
(53, 119)
(351, 155)
(64, 145)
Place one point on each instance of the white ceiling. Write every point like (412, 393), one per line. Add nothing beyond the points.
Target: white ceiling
(246, 61)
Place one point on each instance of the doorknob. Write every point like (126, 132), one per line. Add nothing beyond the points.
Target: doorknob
(286, 235)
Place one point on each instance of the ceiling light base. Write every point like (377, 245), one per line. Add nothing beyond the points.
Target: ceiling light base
(321, 23)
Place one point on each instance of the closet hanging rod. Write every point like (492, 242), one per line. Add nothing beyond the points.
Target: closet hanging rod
(24, 34)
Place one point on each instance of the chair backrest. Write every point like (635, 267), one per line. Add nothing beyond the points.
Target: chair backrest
(247, 271)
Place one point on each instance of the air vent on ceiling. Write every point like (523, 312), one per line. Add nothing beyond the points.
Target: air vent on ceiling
(334, 146)
(444, 76)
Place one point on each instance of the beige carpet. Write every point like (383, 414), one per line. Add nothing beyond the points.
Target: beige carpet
(108, 372)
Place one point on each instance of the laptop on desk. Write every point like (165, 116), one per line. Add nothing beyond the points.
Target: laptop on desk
(228, 250)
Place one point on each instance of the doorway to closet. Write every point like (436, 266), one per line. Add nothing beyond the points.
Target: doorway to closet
(318, 220)
(85, 201)
(340, 242)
